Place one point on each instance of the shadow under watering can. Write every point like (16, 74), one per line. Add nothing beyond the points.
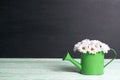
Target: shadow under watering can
(91, 64)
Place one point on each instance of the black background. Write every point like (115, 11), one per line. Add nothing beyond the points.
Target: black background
(49, 28)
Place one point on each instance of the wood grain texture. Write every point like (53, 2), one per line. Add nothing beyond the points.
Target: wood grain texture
(50, 69)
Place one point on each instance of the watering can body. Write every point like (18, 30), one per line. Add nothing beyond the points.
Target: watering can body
(91, 64)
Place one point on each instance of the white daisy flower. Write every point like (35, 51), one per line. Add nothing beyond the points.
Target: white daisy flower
(83, 48)
(98, 47)
(97, 44)
(92, 49)
(76, 46)
(105, 48)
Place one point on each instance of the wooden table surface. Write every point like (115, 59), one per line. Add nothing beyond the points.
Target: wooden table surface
(51, 69)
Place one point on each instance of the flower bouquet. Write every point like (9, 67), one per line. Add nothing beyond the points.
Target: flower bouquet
(91, 46)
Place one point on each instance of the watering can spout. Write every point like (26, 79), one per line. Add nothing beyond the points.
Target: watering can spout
(69, 58)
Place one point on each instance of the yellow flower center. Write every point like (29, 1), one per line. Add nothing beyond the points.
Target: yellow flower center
(92, 49)
(83, 48)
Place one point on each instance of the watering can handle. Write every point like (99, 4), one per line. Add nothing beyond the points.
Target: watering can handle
(115, 56)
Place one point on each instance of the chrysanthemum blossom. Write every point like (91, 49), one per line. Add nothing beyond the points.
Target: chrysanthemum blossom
(83, 48)
(92, 49)
(97, 44)
(105, 48)
(91, 46)
(76, 46)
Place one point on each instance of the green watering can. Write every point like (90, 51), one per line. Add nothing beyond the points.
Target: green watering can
(91, 64)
